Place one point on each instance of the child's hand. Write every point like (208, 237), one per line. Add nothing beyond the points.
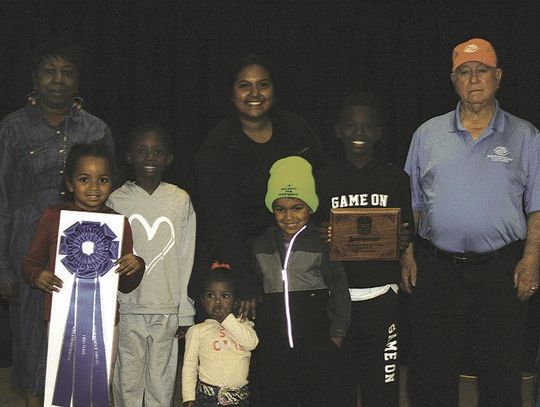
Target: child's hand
(191, 403)
(181, 332)
(129, 264)
(328, 233)
(325, 232)
(48, 282)
(338, 340)
(404, 236)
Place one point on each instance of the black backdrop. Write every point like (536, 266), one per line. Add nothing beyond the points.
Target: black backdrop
(167, 61)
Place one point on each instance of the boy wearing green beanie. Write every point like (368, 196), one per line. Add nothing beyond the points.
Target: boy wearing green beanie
(305, 312)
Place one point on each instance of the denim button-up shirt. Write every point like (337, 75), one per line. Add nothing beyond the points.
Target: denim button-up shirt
(32, 156)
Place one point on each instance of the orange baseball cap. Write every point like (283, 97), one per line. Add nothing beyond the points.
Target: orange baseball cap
(475, 49)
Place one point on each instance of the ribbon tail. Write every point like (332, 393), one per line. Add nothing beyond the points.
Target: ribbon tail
(84, 354)
(63, 387)
(100, 387)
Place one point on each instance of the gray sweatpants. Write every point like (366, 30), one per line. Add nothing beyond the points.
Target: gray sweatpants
(147, 359)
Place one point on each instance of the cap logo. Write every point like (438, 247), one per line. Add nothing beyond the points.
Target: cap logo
(471, 48)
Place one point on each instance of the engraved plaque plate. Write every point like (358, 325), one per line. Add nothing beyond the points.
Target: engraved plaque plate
(365, 233)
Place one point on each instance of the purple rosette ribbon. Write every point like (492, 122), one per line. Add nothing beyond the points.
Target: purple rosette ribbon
(90, 250)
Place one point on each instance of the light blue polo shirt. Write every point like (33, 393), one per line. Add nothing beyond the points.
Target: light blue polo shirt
(473, 195)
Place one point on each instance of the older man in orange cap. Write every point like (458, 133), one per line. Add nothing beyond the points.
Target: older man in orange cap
(475, 184)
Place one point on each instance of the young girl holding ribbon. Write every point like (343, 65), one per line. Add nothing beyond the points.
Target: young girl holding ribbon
(88, 176)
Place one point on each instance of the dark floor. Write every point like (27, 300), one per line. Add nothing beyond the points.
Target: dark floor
(468, 391)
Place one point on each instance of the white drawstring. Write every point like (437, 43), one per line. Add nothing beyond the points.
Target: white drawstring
(285, 277)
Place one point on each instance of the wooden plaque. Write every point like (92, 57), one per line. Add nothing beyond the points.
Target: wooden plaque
(365, 233)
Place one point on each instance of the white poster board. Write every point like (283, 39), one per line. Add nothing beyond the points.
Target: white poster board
(79, 357)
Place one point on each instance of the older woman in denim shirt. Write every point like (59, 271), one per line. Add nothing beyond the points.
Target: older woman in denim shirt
(34, 142)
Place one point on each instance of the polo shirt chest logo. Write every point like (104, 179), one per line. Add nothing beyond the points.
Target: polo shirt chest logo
(501, 155)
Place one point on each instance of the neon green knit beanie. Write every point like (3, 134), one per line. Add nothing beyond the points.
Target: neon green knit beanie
(291, 177)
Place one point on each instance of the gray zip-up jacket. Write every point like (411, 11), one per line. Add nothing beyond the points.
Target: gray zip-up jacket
(309, 269)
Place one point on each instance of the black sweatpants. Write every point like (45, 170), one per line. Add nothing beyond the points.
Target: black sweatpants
(307, 374)
(460, 305)
(370, 353)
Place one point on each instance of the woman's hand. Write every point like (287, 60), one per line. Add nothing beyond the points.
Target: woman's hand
(129, 264)
(338, 340)
(248, 308)
(9, 292)
(48, 282)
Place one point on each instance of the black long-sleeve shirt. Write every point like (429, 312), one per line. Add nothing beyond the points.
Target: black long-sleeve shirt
(383, 186)
(232, 176)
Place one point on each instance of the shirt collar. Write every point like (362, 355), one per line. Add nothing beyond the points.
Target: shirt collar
(497, 122)
(133, 185)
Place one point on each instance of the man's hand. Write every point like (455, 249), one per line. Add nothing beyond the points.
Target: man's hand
(526, 270)
(48, 282)
(408, 270)
(526, 277)
(248, 308)
(191, 403)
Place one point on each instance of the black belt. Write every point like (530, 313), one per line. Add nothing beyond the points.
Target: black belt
(470, 257)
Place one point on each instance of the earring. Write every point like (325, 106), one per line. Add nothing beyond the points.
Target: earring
(77, 102)
(32, 97)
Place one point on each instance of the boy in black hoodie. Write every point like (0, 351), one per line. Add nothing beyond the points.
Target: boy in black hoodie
(362, 180)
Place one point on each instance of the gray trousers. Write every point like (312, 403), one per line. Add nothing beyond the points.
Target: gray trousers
(147, 359)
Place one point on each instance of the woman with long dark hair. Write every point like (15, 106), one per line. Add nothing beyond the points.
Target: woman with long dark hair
(233, 165)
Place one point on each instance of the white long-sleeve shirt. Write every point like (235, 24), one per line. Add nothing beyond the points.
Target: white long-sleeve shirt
(218, 354)
(163, 226)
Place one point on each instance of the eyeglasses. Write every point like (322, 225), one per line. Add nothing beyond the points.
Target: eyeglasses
(480, 72)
